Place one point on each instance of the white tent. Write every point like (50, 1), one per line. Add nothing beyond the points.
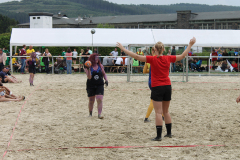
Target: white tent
(79, 37)
(128, 37)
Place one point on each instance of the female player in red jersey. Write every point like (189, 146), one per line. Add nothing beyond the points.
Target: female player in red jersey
(161, 84)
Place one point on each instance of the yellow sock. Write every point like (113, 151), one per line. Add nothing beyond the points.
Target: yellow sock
(150, 108)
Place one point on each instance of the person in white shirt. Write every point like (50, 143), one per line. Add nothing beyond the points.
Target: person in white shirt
(114, 53)
(75, 54)
(119, 62)
(89, 50)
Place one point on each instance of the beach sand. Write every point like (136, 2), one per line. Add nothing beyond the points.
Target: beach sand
(54, 120)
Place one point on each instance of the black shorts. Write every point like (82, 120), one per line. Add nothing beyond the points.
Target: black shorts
(96, 90)
(161, 93)
(32, 70)
(74, 58)
(114, 61)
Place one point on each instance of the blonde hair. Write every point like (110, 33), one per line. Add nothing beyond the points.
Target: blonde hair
(159, 46)
(153, 50)
(82, 50)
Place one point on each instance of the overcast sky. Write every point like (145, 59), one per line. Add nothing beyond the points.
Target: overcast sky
(165, 2)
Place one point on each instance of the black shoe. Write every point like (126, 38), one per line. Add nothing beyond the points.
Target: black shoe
(157, 139)
(147, 121)
(30, 84)
(168, 135)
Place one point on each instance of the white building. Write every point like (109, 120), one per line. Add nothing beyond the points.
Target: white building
(41, 20)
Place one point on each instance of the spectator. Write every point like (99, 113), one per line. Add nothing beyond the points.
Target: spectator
(74, 54)
(142, 54)
(6, 51)
(23, 59)
(225, 54)
(224, 65)
(3, 58)
(85, 56)
(219, 58)
(7, 77)
(81, 60)
(173, 54)
(38, 54)
(231, 53)
(111, 63)
(169, 52)
(64, 54)
(214, 60)
(89, 51)
(236, 52)
(30, 51)
(119, 62)
(69, 61)
(114, 53)
(46, 60)
(194, 64)
(105, 63)
(190, 53)
(15, 63)
(235, 66)
(95, 50)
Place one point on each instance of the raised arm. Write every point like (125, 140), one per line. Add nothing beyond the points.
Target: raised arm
(88, 72)
(131, 54)
(184, 54)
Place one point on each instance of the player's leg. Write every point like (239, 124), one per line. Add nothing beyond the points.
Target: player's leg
(90, 104)
(158, 119)
(165, 106)
(99, 99)
(167, 117)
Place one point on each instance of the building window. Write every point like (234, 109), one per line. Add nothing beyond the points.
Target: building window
(229, 26)
(184, 16)
(34, 17)
(38, 17)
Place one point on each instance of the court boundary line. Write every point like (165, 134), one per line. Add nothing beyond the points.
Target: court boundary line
(10, 139)
(116, 147)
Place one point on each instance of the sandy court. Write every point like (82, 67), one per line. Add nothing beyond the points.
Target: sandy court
(55, 116)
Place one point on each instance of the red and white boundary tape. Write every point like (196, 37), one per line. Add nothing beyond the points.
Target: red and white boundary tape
(9, 142)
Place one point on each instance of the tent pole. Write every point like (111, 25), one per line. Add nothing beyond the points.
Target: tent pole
(128, 67)
(187, 68)
(10, 62)
(52, 65)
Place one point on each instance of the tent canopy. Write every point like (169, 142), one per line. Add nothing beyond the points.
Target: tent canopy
(135, 37)
(79, 37)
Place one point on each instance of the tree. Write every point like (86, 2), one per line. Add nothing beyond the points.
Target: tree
(100, 25)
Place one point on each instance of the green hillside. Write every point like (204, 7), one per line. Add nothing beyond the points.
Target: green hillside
(75, 8)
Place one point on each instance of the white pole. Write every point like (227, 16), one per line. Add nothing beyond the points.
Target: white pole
(11, 59)
(128, 67)
(187, 68)
(52, 65)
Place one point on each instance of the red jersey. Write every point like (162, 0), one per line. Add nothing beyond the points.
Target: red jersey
(160, 69)
(235, 65)
(214, 54)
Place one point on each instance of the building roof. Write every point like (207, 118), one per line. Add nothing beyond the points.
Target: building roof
(217, 15)
(40, 14)
(131, 18)
(144, 18)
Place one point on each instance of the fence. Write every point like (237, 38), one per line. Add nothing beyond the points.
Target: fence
(130, 65)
